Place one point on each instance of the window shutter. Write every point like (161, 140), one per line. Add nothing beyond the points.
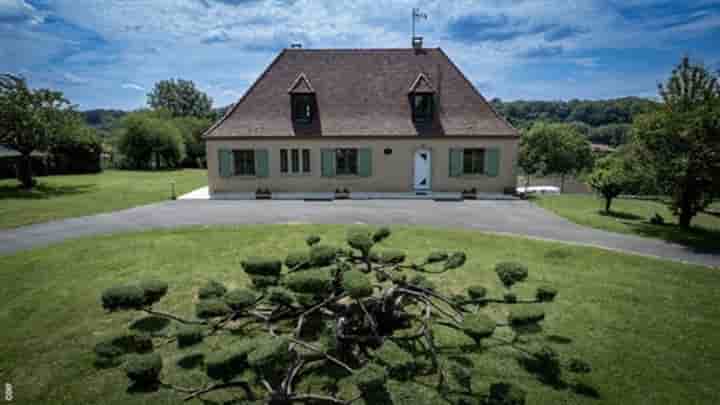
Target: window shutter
(327, 162)
(226, 164)
(456, 162)
(492, 162)
(262, 164)
(365, 162)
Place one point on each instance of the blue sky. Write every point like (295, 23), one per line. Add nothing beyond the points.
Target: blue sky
(108, 53)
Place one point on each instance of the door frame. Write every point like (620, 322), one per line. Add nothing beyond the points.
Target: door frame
(429, 169)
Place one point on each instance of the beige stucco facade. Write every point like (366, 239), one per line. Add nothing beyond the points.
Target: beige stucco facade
(390, 172)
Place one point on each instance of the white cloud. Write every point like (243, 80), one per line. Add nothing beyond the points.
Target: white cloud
(19, 11)
(132, 86)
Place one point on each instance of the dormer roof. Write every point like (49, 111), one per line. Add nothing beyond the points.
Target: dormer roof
(301, 85)
(421, 85)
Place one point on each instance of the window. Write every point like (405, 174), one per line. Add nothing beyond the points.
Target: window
(244, 162)
(306, 160)
(302, 108)
(293, 160)
(346, 161)
(473, 161)
(422, 107)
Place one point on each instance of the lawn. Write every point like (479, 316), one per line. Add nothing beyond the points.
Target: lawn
(650, 328)
(57, 197)
(633, 216)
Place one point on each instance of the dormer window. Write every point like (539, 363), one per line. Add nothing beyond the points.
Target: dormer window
(302, 108)
(421, 98)
(302, 100)
(422, 107)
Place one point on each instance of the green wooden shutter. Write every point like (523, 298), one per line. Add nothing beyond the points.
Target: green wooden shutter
(456, 162)
(262, 164)
(492, 162)
(365, 162)
(226, 163)
(327, 162)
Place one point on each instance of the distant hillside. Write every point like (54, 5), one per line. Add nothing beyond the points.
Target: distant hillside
(101, 119)
(591, 112)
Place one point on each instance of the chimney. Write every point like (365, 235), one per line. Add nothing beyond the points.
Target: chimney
(417, 42)
(296, 45)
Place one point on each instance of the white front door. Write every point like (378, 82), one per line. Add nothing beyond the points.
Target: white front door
(422, 169)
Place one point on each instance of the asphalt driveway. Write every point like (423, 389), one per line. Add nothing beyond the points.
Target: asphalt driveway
(510, 217)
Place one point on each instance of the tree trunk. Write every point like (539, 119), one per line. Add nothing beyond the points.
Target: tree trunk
(608, 201)
(157, 161)
(527, 182)
(562, 183)
(25, 175)
(685, 218)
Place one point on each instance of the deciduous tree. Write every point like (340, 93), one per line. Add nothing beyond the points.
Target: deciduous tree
(181, 98)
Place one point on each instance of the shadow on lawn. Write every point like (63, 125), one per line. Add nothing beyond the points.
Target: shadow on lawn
(698, 239)
(44, 191)
(620, 215)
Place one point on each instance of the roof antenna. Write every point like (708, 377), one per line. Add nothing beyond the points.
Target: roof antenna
(416, 14)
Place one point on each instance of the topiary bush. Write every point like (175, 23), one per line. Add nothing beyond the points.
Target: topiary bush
(357, 317)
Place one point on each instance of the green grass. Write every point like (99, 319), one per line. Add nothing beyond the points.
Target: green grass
(650, 328)
(57, 197)
(632, 217)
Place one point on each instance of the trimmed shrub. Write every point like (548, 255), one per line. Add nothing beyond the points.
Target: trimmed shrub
(225, 364)
(322, 255)
(356, 284)
(188, 335)
(313, 281)
(435, 257)
(312, 240)
(144, 369)
(462, 374)
(381, 234)
(370, 377)
(510, 273)
(240, 299)
(477, 292)
(123, 297)
(261, 266)
(108, 350)
(213, 289)
(153, 290)
(263, 282)
(280, 296)
(410, 393)
(360, 239)
(298, 259)
(391, 256)
(399, 363)
(478, 326)
(421, 281)
(212, 308)
(526, 315)
(510, 298)
(506, 394)
(455, 260)
(546, 293)
(271, 353)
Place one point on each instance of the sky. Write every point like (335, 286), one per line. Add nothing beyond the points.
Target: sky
(109, 53)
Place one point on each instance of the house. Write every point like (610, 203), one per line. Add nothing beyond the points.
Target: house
(365, 120)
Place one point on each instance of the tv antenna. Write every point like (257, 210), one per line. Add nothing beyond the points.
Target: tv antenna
(416, 14)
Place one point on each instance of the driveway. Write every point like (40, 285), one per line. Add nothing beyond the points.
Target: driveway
(507, 217)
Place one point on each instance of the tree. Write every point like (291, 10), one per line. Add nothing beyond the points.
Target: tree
(148, 136)
(558, 149)
(76, 148)
(29, 118)
(181, 98)
(363, 320)
(611, 177)
(682, 140)
(191, 130)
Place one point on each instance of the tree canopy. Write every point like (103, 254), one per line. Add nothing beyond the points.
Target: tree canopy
(29, 119)
(149, 137)
(681, 141)
(181, 98)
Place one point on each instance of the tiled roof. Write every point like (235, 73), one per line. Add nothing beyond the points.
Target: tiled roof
(361, 92)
